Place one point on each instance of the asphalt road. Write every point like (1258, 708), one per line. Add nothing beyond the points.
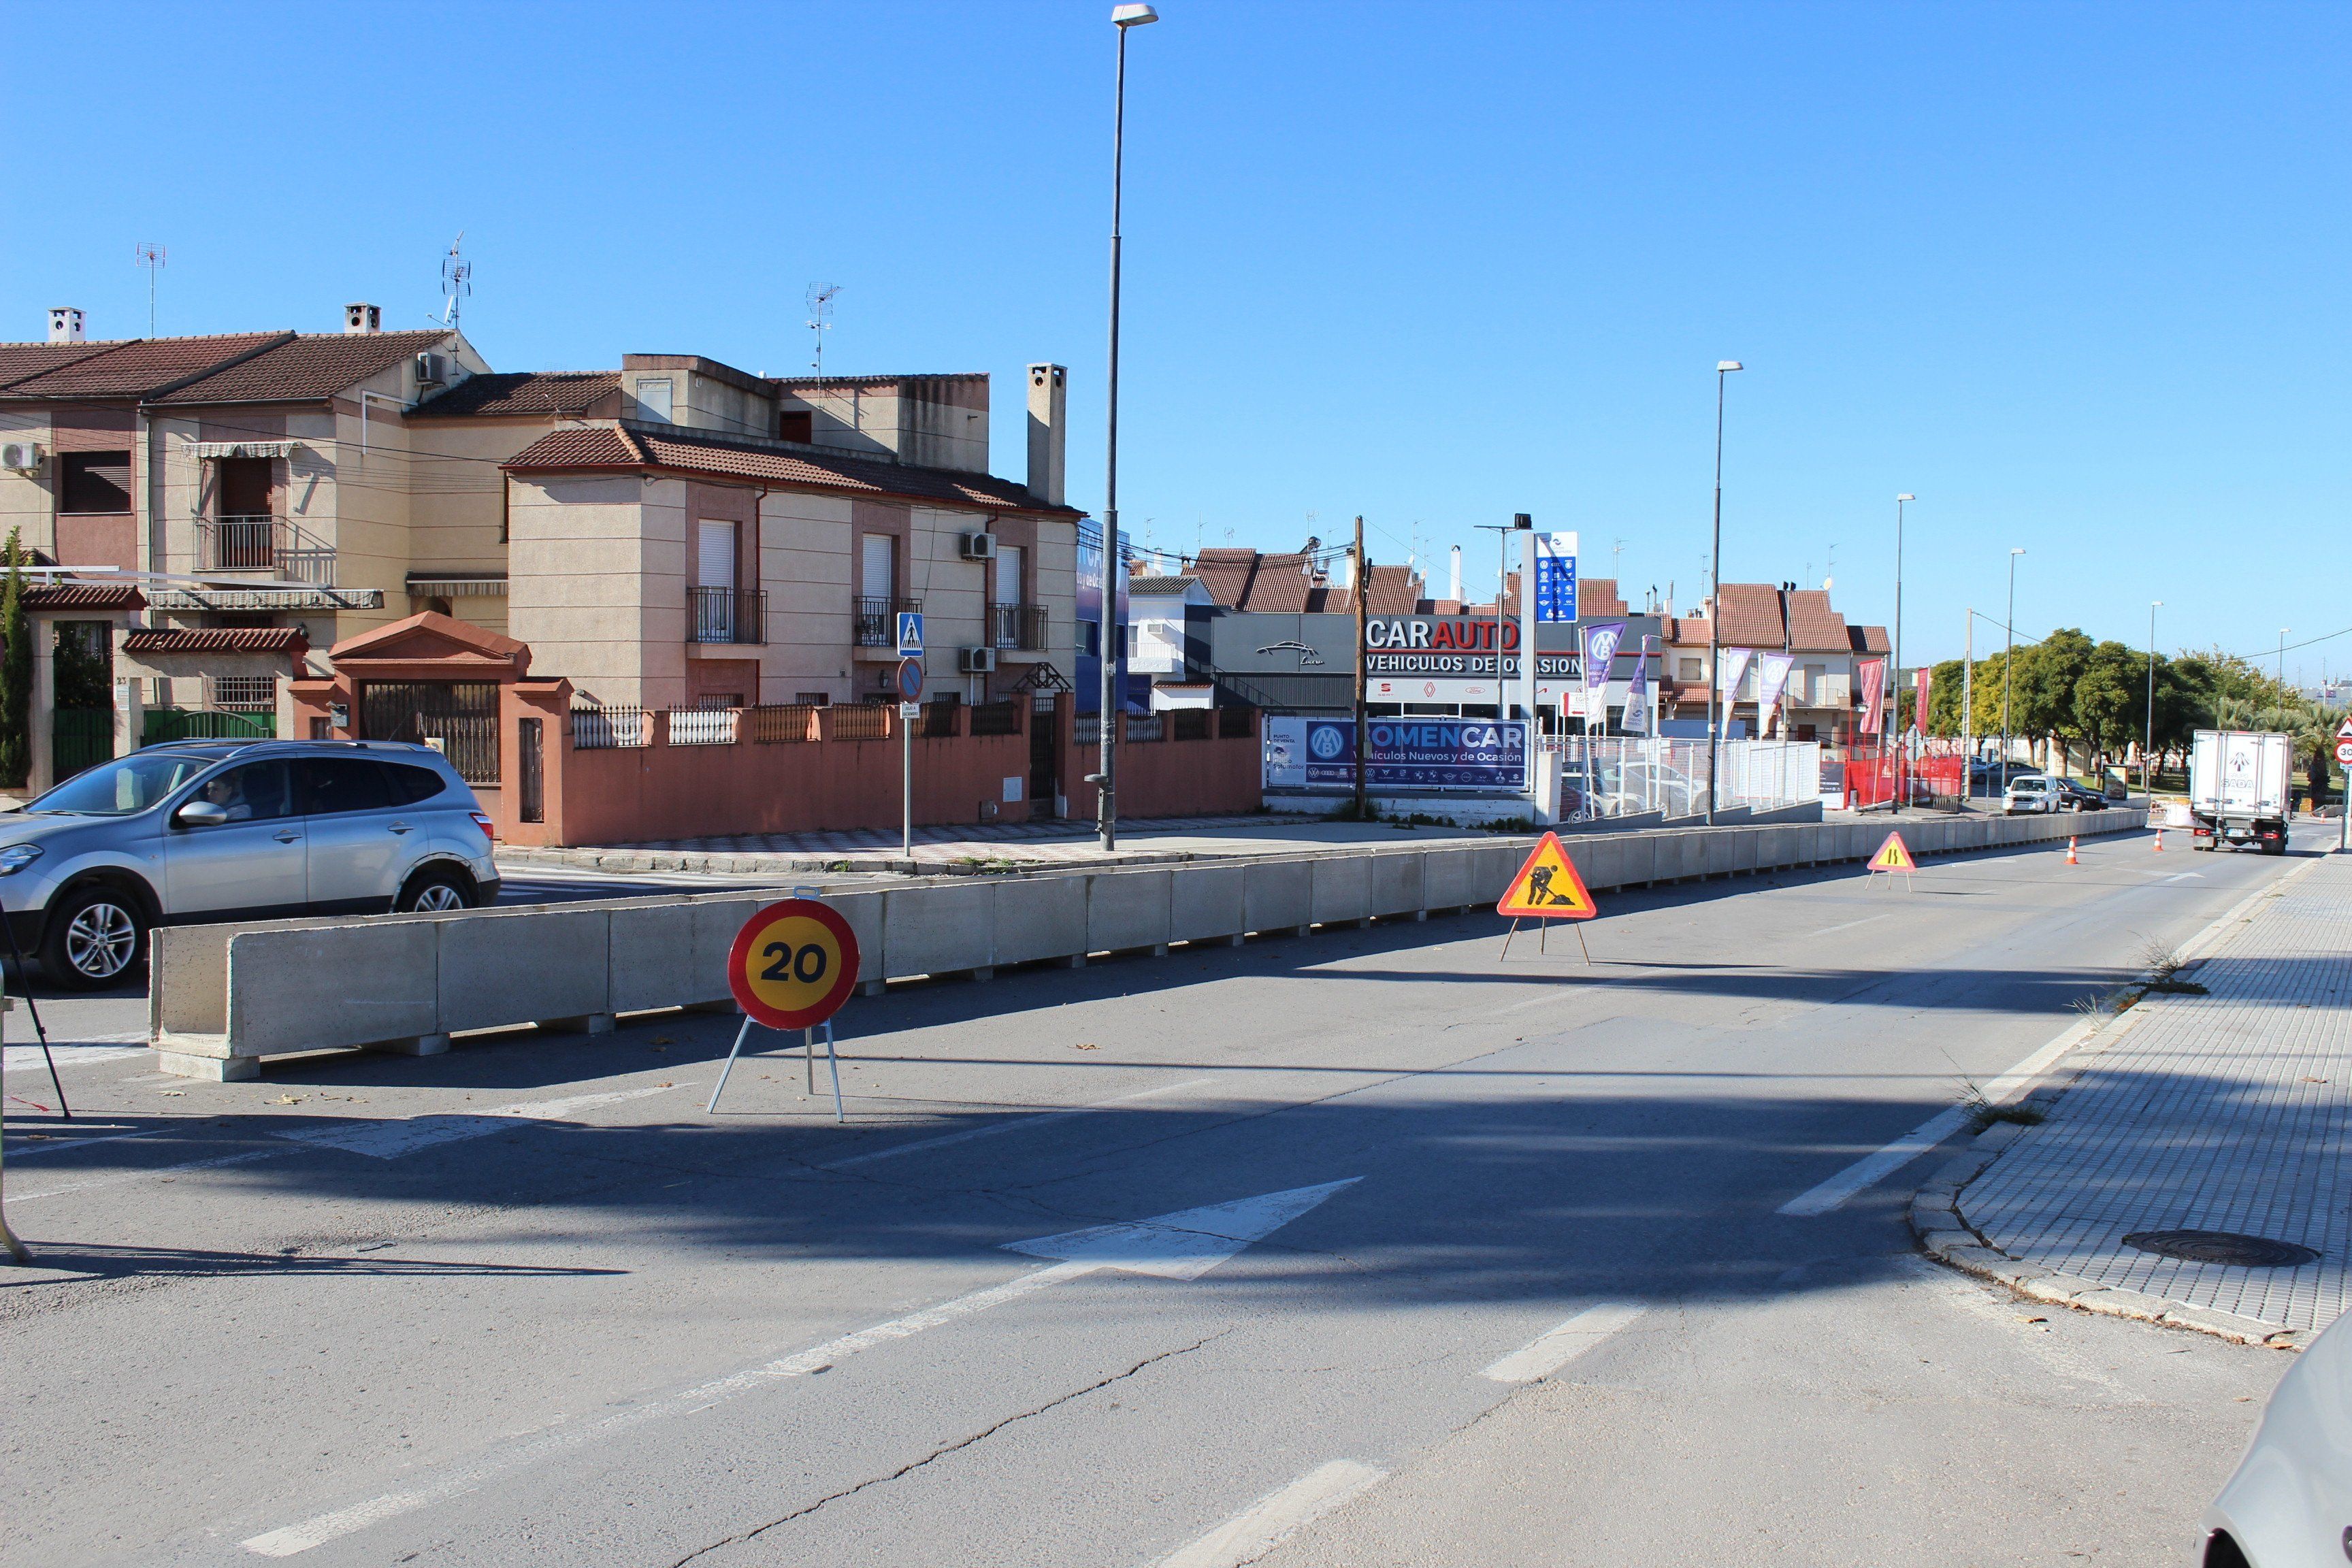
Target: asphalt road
(1459, 1262)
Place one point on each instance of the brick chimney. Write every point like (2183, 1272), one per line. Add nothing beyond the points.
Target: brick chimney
(65, 325)
(1049, 432)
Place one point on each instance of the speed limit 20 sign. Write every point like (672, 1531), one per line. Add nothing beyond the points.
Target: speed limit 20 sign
(793, 964)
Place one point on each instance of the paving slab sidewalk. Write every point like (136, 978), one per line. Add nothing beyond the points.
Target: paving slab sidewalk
(2228, 1111)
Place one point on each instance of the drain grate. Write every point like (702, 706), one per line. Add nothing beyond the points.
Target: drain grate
(2222, 1247)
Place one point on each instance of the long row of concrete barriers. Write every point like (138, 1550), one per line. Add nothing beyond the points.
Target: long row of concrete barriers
(224, 997)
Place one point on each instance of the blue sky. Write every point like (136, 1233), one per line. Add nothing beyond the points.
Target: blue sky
(2073, 275)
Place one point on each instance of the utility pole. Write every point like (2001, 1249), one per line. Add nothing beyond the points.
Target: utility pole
(1361, 570)
(1969, 708)
(2008, 665)
(1895, 668)
(2147, 736)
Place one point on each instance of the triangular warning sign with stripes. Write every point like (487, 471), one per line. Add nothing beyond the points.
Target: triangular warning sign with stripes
(1548, 887)
(1894, 855)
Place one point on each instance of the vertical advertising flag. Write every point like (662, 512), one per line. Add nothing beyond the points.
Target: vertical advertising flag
(1555, 577)
(1731, 665)
(1601, 640)
(1921, 681)
(1637, 695)
(1873, 672)
(1771, 681)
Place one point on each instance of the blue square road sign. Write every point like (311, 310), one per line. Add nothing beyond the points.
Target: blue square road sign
(911, 634)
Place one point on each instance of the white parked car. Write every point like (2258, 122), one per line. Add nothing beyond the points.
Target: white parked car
(2033, 793)
(2290, 1504)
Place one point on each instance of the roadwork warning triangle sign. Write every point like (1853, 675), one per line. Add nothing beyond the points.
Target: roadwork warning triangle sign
(1894, 855)
(1548, 887)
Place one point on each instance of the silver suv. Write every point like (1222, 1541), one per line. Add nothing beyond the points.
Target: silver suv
(223, 830)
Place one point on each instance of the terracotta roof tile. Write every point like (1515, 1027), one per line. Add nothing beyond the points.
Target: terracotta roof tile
(1160, 585)
(1226, 574)
(1598, 596)
(86, 596)
(308, 369)
(1869, 639)
(540, 392)
(18, 361)
(1813, 626)
(1396, 591)
(219, 639)
(1751, 615)
(141, 366)
(614, 446)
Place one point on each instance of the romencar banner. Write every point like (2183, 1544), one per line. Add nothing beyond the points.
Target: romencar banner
(1601, 640)
(1731, 663)
(1636, 719)
(1771, 681)
(1403, 754)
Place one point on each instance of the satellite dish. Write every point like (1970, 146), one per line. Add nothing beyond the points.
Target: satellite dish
(1827, 583)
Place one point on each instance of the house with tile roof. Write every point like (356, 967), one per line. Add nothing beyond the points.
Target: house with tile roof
(1823, 700)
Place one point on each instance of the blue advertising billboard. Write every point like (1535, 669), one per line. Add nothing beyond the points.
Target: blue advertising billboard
(1402, 754)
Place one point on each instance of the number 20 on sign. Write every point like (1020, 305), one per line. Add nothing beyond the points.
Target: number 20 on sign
(792, 967)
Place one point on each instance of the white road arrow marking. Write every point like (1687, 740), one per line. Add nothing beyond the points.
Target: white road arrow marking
(2185, 876)
(1184, 1245)
(1180, 1246)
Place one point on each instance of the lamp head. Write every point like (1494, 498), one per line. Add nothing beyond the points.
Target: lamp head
(1906, 496)
(1522, 519)
(1722, 365)
(1132, 15)
(2020, 551)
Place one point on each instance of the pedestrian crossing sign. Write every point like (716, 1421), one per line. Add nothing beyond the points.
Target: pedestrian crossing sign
(1894, 855)
(1547, 888)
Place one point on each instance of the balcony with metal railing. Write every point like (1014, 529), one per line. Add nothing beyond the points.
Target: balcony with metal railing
(276, 546)
(1018, 627)
(727, 615)
(875, 621)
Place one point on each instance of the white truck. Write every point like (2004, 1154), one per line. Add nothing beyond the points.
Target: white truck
(2239, 784)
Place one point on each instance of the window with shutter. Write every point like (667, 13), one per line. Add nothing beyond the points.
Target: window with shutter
(94, 482)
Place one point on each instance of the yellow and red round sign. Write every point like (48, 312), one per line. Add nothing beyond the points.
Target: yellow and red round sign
(794, 963)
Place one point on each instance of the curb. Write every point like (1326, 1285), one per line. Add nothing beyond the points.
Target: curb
(1943, 1229)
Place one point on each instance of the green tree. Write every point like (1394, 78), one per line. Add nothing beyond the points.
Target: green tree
(1944, 692)
(2109, 703)
(16, 672)
(2060, 662)
(83, 669)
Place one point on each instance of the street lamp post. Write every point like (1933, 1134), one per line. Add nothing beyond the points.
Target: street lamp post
(1894, 670)
(1106, 782)
(2148, 737)
(2282, 656)
(1715, 604)
(2008, 665)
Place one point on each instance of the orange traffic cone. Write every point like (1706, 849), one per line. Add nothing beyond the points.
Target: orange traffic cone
(2072, 858)
(2159, 840)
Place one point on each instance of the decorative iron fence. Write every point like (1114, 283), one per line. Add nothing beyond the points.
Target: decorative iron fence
(264, 544)
(939, 721)
(1145, 727)
(995, 719)
(1237, 723)
(1021, 626)
(702, 726)
(457, 718)
(727, 615)
(780, 722)
(608, 728)
(245, 693)
(1189, 723)
(862, 721)
(875, 622)
(163, 724)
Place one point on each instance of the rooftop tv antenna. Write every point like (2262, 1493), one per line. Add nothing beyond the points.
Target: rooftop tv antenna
(457, 282)
(820, 321)
(150, 257)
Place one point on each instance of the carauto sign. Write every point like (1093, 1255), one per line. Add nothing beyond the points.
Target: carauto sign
(1452, 645)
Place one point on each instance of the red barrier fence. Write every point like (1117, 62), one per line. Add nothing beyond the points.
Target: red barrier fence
(1876, 774)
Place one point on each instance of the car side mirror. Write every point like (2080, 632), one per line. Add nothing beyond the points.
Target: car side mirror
(200, 814)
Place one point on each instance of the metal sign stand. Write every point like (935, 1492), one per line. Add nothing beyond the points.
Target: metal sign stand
(808, 1059)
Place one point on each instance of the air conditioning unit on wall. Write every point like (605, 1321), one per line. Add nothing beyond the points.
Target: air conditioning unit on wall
(24, 457)
(976, 660)
(980, 547)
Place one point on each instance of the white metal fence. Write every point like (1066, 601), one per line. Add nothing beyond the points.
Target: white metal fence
(1603, 776)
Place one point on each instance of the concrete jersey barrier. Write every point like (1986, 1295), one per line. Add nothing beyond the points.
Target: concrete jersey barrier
(224, 997)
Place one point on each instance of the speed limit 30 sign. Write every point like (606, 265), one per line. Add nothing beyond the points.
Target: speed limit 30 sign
(793, 964)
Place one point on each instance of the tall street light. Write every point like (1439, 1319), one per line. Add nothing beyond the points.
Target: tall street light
(1894, 671)
(2008, 665)
(1107, 782)
(2282, 656)
(1723, 367)
(2147, 739)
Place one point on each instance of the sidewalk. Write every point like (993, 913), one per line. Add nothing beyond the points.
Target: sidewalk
(2226, 1112)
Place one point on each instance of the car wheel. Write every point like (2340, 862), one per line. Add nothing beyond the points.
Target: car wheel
(94, 938)
(432, 893)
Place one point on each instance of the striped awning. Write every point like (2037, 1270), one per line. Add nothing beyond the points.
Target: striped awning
(245, 448)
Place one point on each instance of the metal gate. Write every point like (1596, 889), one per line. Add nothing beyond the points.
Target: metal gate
(1045, 757)
(460, 717)
(80, 738)
(531, 741)
(206, 724)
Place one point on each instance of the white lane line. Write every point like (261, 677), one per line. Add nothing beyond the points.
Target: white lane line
(1870, 1171)
(1015, 1124)
(289, 1540)
(118, 1177)
(48, 1148)
(2187, 876)
(1848, 926)
(1555, 1348)
(1267, 1523)
(73, 1053)
(390, 1140)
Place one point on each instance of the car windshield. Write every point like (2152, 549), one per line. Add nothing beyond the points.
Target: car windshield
(125, 785)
